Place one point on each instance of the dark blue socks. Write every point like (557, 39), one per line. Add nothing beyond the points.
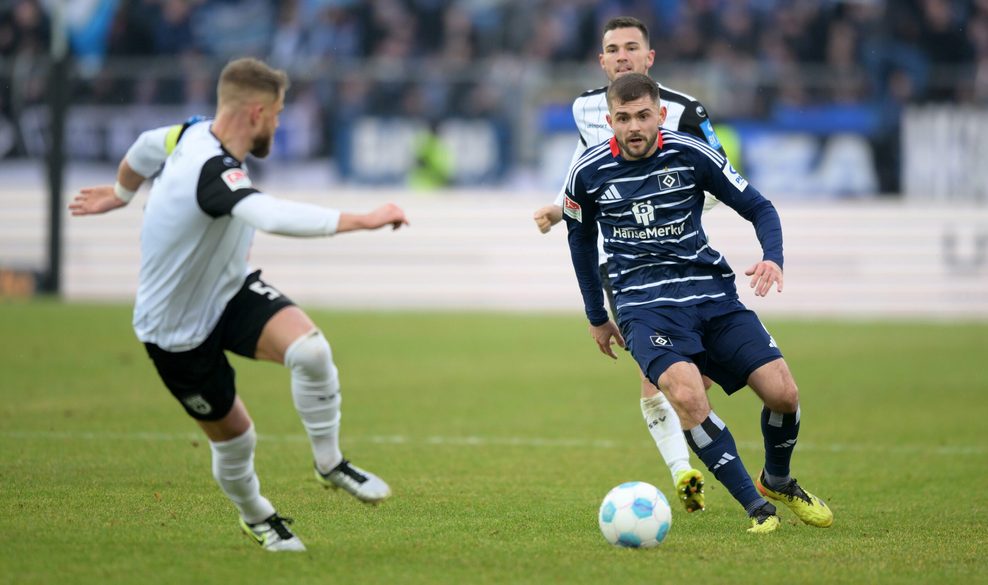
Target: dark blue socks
(780, 432)
(712, 441)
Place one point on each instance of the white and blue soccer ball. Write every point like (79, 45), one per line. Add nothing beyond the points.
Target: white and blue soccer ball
(635, 514)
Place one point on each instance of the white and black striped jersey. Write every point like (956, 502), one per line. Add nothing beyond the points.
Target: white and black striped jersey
(198, 226)
(648, 211)
(683, 113)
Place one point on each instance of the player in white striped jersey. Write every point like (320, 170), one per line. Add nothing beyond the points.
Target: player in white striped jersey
(197, 298)
(625, 49)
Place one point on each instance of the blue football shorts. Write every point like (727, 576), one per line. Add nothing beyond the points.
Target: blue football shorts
(725, 340)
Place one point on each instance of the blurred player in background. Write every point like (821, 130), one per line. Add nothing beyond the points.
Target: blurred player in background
(626, 50)
(676, 301)
(197, 298)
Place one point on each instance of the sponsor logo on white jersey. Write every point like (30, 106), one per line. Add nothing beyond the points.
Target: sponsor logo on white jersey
(644, 212)
(649, 233)
(236, 179)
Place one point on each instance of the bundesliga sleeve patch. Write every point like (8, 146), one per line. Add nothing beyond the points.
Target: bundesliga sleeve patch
(573, 209)
(735, 177)
(236, 179)
(708, 131)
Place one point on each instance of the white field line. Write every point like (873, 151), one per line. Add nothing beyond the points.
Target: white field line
(475, 441)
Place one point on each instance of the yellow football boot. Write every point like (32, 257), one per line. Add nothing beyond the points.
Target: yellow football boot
(764, 520)
(807, 507)
(689, 488)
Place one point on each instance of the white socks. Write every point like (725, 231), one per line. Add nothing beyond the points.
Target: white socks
(663, 424)
(233, 468)
(316, 392)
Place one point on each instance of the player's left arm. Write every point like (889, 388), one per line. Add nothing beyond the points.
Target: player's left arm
(696, 121)
(103, 198)
(717, 176)
(143, 159)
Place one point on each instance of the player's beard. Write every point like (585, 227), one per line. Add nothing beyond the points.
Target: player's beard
(639, 152)
(262, 145)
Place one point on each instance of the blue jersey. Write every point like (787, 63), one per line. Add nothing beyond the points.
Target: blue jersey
(649, 212)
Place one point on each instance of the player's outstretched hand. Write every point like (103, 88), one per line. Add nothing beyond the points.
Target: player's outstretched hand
(603, 334)
(389, 213)
(763, 276)
(548, 216)
(95, 200)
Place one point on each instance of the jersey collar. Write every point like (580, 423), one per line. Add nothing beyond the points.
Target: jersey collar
(616, 149)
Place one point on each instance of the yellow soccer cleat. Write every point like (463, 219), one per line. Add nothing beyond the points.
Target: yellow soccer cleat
(689, 488)
(764, 520)
(809, 508)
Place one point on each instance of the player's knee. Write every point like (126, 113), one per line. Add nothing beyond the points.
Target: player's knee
(790, 396)
(310, 357)
(786, 398)
(648, 389)
(682, 385)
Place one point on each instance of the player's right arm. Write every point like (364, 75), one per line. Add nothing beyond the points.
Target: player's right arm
(225, 189)
(549, 215)
(144, 157)
(291, 218)
(580, 211)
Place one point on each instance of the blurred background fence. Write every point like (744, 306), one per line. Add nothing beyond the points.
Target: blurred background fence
(825, 104)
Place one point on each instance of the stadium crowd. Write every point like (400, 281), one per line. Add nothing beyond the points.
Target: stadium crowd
(429, 58)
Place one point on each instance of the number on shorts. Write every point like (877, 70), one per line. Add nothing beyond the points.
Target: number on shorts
(264, 290)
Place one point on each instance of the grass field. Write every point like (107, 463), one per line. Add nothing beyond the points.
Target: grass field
(499, 435)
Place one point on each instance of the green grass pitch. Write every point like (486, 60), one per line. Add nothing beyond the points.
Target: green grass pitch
(500, 434)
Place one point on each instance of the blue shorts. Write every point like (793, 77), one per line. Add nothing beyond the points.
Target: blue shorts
(724, 339)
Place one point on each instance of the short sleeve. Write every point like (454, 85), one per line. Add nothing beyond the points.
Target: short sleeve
(223, 182)
(696, 122)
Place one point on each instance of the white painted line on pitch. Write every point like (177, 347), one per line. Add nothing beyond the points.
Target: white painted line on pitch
(474, 441)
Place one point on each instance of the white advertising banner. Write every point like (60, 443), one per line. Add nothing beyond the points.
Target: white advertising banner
(944, 151)
(481, 250)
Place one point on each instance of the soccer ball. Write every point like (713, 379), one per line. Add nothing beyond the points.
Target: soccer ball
(635, 514)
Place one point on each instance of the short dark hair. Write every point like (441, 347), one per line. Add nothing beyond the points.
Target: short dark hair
(625, 22)
(632, 86)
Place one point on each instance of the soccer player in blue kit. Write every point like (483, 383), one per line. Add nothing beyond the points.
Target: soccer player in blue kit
(625, 49)
(675, 295)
